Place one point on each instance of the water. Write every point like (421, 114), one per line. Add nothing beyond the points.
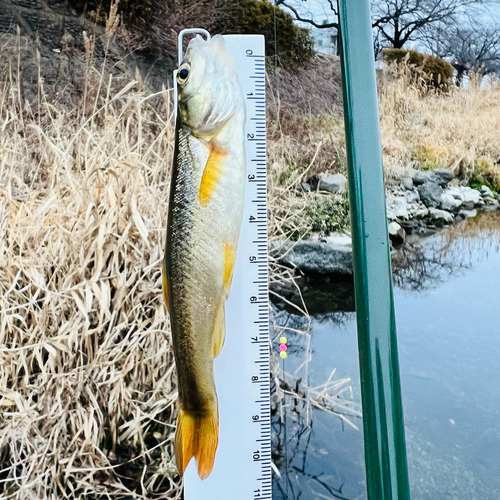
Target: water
(447, 300)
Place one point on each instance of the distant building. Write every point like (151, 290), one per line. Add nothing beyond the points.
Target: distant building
(320, 11)
(325, 39)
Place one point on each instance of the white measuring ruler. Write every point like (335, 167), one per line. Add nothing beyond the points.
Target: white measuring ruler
(242, 469)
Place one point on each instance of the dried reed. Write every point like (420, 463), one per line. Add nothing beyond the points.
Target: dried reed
(86, 376)
(458, 130)
(87, 384)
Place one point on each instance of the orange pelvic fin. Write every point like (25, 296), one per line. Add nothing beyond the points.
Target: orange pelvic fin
(212, 172)
(197, 436)
(229, 260)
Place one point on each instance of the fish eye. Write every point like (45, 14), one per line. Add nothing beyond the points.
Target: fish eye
(183, 74)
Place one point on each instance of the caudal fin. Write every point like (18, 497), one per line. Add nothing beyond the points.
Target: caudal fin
(196, 436)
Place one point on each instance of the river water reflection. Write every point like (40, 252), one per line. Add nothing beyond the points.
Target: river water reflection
(447, 300)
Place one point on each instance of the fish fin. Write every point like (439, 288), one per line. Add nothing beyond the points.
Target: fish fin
(198, 437)
(207, 443)
(212, 172)
(229, 260)
(165, 284)
(219, 335)
(185, 440)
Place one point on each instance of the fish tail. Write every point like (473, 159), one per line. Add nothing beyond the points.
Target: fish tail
(196, 436)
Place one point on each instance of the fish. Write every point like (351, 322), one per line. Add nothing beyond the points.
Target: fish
(203, 225)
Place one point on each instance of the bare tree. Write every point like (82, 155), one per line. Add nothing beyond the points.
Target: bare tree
(470, 46)
(395, 22)
(309, 18)
(401, 21)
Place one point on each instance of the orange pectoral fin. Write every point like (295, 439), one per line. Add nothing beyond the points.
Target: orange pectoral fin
(165, 283)
(212, 172)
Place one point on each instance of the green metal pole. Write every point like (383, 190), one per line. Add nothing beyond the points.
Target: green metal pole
(385, 451)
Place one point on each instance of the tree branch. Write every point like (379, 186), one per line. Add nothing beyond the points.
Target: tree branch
(298, 17)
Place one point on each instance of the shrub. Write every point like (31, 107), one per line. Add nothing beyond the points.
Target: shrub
(329, 214)
(436, 72)
(159, 21)
(285, 40)
(485, 172)
(431, 156)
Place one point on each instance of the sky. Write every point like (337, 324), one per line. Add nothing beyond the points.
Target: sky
(320, 11)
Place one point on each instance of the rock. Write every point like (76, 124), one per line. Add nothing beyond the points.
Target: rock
(440, 215)
(422, 176)
(397, 208)
(410, 226)
(413, 208)
(467, 195)
(430, 193)
(470, 194)
(456, 192)
(468, 213)
(331, 255)
(486, 191)
(490, 201)
(449, 202)
(412, 196)
(468, 205)
(421, 213)
(306, 187)
(332, 183)
(443, 176)
(396, 232)
(407, 183)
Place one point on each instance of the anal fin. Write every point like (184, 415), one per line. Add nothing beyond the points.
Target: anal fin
(165, 283)
(229, 261)
(219, 333)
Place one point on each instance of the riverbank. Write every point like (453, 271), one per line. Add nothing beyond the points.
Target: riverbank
(435, 145)
(320, 267)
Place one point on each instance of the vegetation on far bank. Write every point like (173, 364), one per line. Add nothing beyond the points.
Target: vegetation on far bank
(421, 128)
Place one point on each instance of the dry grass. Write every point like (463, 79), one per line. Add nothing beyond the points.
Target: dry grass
(86, 379)
(306, 137)
(459, 130)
